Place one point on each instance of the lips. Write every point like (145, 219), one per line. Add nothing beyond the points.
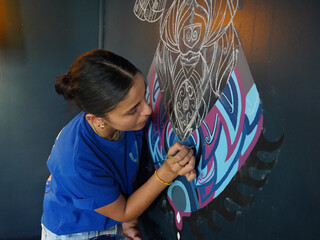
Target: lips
(144, 122)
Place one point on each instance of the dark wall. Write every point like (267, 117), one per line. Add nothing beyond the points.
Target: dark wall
(129, 37)
(281, 43)
(39, 40)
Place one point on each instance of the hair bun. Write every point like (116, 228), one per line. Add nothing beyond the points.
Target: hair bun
(62, 86)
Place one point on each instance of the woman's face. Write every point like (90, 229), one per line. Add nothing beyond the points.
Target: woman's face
(132, 112)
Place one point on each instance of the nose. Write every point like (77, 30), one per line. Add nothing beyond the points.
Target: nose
(146, 109)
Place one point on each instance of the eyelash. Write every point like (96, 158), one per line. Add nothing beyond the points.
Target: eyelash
(133, 112)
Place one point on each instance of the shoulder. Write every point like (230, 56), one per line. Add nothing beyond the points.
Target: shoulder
(72, 129)
(69, 145)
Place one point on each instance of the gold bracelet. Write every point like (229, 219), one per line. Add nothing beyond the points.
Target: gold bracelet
(160, 180)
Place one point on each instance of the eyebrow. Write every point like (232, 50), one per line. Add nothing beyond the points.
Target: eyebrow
(131, 109)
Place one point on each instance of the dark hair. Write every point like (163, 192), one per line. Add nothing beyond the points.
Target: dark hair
(97, 81)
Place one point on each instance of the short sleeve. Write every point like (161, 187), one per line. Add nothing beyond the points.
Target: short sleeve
(93, 188)
(108, 193)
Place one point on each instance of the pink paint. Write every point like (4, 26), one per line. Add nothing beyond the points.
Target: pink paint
(182, 215)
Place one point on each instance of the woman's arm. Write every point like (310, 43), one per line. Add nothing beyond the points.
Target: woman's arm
(125, 210)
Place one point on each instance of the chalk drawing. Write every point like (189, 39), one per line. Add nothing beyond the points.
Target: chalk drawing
(195, 57)
(149, 10)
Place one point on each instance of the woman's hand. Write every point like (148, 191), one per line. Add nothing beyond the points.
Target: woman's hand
(180, 161)
(131, 230)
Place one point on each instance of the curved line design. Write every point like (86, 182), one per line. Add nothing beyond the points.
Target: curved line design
(231, 134)
(199, 98)
(195, 56)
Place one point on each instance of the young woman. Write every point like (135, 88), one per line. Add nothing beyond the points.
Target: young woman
(95, 158)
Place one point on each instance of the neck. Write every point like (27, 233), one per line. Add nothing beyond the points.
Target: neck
(106, 133)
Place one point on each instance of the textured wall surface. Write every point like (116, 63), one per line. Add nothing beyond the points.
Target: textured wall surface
(39, 40)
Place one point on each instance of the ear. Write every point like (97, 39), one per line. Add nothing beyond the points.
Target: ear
(94, 119)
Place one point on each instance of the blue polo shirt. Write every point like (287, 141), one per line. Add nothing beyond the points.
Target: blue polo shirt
(88, 172)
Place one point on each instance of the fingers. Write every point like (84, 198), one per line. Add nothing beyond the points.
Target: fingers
(191, 175)
(188, 170)
(180, 155)
(186, 158)
(174, 149)
(181, 161)
(131, 230)
(188, 166)
(181, 158)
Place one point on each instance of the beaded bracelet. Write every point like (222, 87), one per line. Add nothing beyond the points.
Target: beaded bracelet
(160, 180)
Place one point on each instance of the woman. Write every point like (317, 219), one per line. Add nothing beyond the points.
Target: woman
(94, 160)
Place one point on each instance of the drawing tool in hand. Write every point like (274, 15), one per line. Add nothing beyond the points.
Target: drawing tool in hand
(171, 156)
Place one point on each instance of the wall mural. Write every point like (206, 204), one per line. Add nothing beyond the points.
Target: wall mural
(202, 94)
(195, 57)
